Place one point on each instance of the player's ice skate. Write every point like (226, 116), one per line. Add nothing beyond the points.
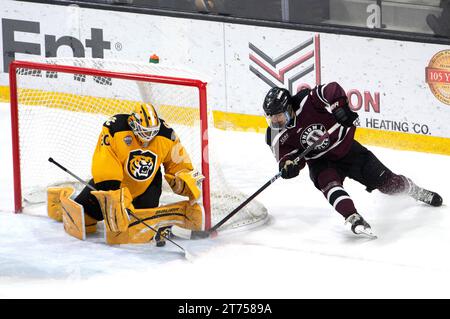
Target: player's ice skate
(359, 226)
(424, 195)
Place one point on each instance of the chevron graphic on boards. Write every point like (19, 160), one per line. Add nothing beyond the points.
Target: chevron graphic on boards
(303, 61)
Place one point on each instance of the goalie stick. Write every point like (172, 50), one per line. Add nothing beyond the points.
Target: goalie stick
(187, 255)
(193, 234)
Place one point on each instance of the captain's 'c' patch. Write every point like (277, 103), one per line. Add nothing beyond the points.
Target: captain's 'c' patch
(141, 164)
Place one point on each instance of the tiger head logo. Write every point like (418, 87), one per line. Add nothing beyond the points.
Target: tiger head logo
(141, 164)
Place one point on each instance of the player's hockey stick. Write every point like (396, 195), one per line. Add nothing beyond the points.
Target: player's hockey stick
(192, 234)
(187, 255)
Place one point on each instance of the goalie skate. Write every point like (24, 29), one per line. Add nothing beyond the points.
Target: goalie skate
(162, 234)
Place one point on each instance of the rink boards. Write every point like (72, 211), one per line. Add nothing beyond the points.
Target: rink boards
(400, 89)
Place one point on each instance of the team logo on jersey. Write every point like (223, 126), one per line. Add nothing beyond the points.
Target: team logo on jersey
(128, 139)
(141, 164)
(311, 134)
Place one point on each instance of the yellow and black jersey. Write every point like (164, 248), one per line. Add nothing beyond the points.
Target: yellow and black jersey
(120, 156)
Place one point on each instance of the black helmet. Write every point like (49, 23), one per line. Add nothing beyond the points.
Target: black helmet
(278, 108)
(277, 100)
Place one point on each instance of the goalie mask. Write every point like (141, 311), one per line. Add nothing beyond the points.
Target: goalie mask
(278, 108)
(144, 122)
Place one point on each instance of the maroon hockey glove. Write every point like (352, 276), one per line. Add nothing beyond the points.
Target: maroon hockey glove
(343, 114)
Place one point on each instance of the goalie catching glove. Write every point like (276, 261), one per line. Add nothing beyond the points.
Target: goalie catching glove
(186, 183)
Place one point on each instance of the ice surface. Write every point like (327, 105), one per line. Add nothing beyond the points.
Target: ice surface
(303, 252)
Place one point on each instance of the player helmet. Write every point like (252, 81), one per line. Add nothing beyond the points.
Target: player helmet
(278, 108)
(144, 122)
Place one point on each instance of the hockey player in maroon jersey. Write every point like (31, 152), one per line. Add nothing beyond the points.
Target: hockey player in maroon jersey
(295, 122)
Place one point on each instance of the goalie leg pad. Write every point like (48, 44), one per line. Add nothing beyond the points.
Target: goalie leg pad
(138, 233)
(122, 228)
(72, 216)
(182, 214)
(114, 205)
(163, 216)
(194, 217)
(116, 238)
(54, 208)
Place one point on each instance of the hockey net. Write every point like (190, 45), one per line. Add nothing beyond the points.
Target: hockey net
(58, 107)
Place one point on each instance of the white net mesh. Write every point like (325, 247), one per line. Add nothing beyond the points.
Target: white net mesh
(61, 115)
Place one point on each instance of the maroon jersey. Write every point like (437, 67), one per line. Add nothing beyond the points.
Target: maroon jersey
(313, 118)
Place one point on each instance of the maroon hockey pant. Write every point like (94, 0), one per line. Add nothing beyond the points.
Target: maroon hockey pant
(359, 164)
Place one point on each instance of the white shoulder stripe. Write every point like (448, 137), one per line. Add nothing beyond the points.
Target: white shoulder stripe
(320, 94)
(302, 103)
(323, 92)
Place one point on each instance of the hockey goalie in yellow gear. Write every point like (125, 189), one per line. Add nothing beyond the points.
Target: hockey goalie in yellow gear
(126, 169)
